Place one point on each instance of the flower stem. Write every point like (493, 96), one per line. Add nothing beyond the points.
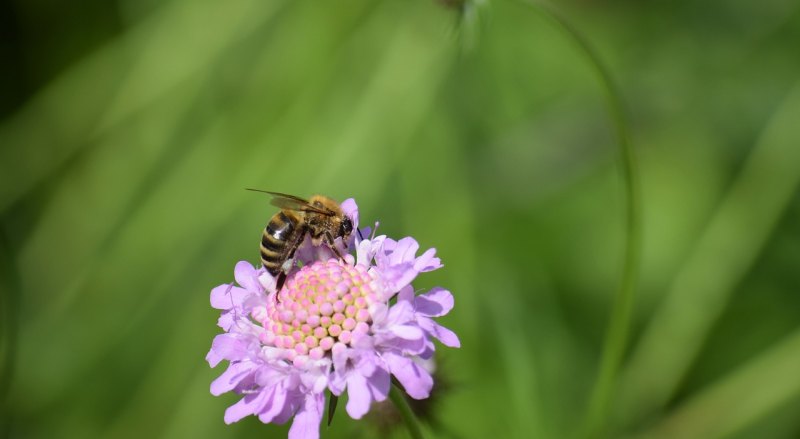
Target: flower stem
(406, 413)
(616, 338)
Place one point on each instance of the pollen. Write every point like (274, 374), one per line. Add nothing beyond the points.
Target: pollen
(323, 305)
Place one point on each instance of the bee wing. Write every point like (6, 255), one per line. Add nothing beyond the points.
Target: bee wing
(290, 202)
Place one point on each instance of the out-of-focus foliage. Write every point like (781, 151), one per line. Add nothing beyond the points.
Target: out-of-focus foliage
(129, 130)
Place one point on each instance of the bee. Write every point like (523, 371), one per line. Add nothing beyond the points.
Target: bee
(319, 216)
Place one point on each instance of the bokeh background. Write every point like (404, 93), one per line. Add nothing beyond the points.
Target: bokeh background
(129, 130)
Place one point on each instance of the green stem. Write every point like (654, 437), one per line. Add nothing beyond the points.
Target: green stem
(616, 338)
(407, 414)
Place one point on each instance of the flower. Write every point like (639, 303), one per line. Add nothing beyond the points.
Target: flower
(336, 325)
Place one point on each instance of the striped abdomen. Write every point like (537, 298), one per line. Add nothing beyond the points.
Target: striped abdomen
(279, 241)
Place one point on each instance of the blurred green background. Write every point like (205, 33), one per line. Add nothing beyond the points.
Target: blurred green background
(130, 128)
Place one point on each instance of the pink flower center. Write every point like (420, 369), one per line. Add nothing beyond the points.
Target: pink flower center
(323, 305)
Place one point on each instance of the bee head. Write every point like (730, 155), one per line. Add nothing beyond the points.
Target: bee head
(346, 227)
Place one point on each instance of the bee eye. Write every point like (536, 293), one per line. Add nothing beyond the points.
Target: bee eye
(346, 227)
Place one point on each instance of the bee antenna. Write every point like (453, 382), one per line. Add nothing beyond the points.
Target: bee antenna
(256, 190)
(360, 236)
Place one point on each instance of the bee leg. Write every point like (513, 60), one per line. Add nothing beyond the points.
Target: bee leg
(280, 278)
(332, 246)
(279, 281)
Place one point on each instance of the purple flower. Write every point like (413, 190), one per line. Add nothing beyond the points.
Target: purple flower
(331, 327)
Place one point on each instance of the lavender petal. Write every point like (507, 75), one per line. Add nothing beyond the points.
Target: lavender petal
(247, 276)
(307, 419)
(231, 378)
(246, 406)
(436, 302)
(358, 394)
(415, 380)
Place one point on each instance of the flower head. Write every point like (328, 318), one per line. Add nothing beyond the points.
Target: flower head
(338, 325)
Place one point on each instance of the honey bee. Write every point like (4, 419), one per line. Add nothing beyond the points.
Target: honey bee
(319, 216)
